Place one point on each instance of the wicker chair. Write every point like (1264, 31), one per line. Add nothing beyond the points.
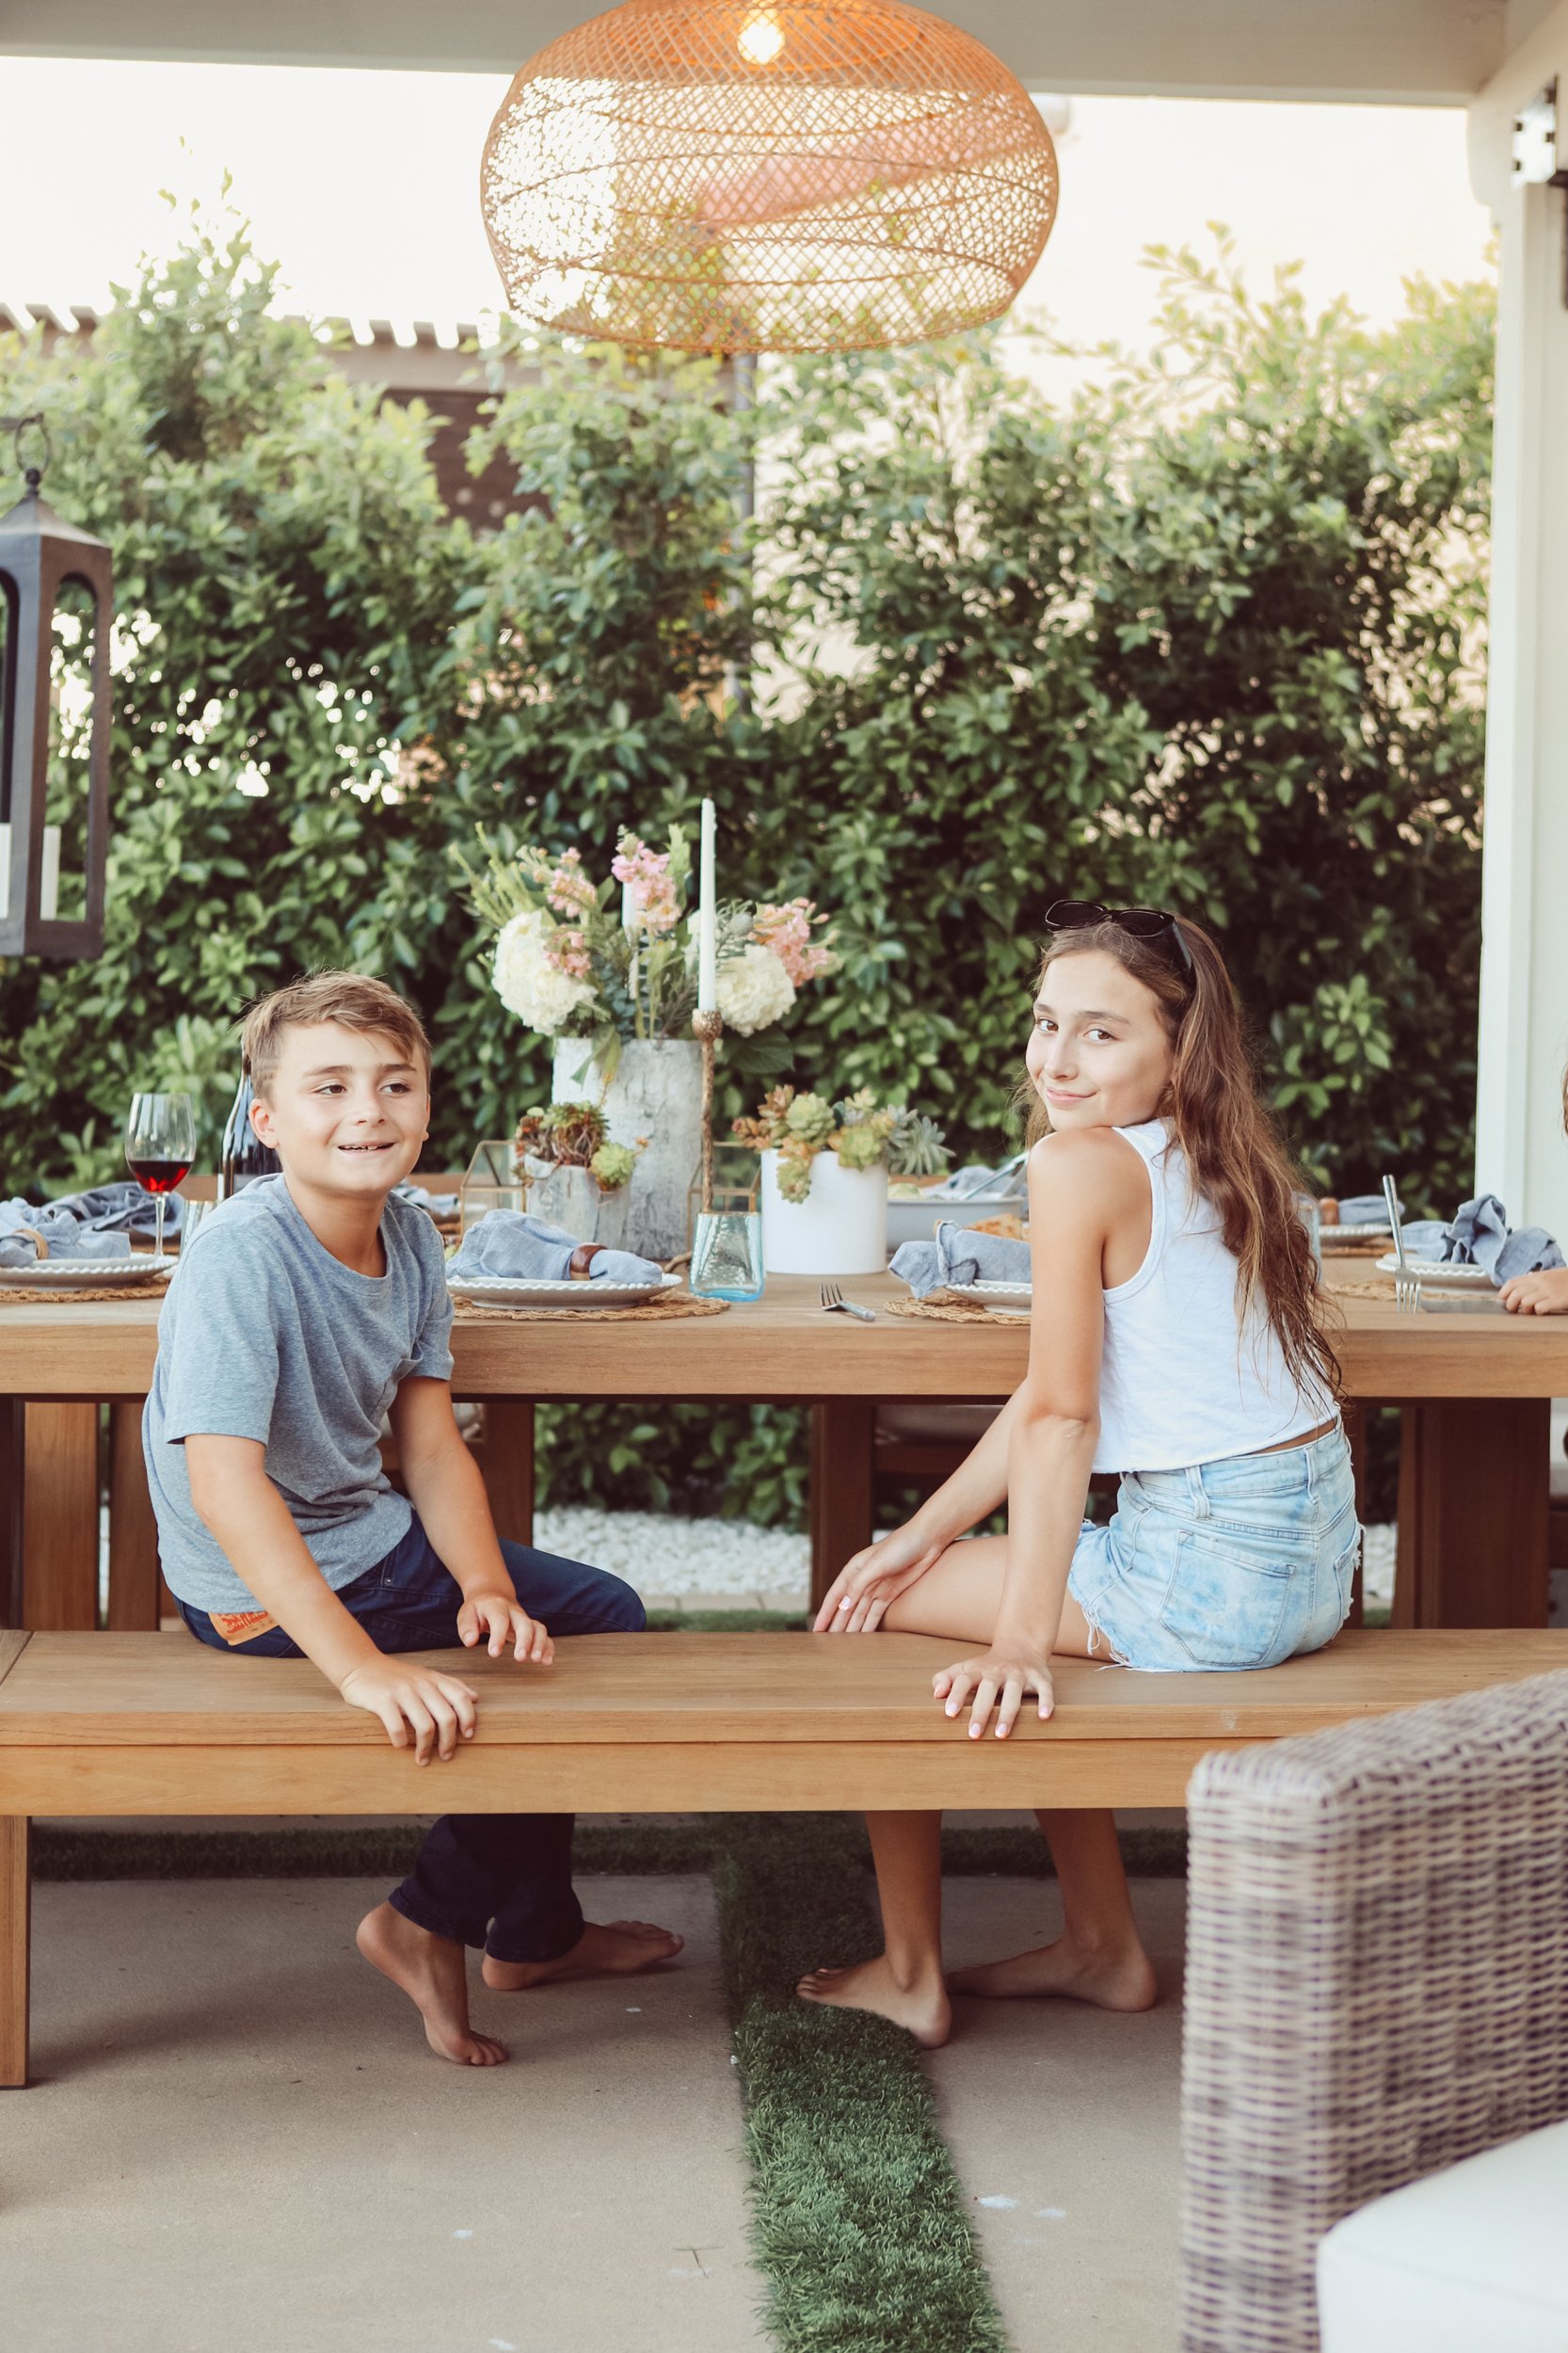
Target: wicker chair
(1377, 1984)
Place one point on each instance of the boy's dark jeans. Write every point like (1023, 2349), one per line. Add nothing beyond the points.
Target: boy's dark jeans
(499, 1880)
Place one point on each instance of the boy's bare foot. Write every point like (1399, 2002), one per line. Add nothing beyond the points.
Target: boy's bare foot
(924, 2010)
(612, 1948)
(1118, 1979)
(433, 1972)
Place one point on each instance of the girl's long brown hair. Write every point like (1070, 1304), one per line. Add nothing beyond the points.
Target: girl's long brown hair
(1234, 1153)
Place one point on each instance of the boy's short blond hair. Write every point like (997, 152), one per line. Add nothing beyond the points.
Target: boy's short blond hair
(348, 999)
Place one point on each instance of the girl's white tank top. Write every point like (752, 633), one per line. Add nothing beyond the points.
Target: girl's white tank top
(1184, 1379)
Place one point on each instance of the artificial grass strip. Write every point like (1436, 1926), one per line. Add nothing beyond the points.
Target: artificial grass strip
(860, 2227)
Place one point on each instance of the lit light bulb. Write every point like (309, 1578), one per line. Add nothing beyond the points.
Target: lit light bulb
(761, 38)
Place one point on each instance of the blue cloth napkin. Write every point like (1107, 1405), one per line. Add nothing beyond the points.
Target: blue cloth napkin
(1363, 1208)
(65, 1236)
(1479, 1234)
(959, 1257)
(509, 1242)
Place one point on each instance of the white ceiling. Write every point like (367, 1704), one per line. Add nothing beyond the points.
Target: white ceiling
(1419, 52)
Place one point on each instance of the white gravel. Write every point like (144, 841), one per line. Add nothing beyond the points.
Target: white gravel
(666, 1556)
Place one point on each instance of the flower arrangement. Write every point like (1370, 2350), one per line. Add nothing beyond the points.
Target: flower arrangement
(570, 1135)
(857, 1131)
(617, 959)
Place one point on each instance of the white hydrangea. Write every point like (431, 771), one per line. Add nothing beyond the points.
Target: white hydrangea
(542, 997)
(755, 991)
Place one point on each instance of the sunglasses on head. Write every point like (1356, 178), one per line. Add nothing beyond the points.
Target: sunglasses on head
(1081, 915)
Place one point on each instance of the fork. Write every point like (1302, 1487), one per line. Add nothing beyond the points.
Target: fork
(833, 1297)
(1407, 1281)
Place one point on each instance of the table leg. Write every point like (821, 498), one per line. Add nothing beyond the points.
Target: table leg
(843, 1484)
(12, 1489)
(59, 1526)
(1473, 1513)
(507, 1465)
(134, 1581)
(1355, 1419)
(15, 1922)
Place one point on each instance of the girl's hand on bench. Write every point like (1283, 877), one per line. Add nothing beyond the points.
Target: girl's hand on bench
(998, 1680)
(435, 1709)
(503, 1617)
(865, 1587)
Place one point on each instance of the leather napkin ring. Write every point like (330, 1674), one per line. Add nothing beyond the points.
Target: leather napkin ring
(35, 1237)
(581, 1258)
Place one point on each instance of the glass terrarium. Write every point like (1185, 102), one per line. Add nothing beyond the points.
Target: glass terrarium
(491, 1183)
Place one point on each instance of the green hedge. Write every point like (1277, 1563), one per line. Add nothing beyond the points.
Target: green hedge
(1209, 634)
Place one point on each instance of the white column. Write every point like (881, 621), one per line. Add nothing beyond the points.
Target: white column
(1521, 1151)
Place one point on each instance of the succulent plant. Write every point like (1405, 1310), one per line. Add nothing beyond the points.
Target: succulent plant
(917, 1146)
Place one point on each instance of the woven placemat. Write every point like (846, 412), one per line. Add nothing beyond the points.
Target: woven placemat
(668, 1310)
(11, 1298)
(1359, 1286)
(947, 1310)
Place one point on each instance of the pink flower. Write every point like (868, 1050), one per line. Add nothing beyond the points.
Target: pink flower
(652, 892)
(569, 890)
(787, 930)
(567, 950)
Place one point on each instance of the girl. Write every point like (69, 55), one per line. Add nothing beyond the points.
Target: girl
(1174, 1339)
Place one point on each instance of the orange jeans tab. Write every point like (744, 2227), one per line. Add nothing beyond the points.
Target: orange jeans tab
(242, 1626)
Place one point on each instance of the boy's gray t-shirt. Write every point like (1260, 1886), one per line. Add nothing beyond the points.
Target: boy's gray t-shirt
(264, 1334)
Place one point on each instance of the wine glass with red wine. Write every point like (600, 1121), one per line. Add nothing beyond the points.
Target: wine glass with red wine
(160, 1146)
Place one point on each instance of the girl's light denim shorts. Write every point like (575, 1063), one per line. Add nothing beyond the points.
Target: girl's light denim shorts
(1235, 1563)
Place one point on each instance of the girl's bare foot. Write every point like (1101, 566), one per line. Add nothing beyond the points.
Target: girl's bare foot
(615, 1948)
(1118, 1977)
(433, 1972)
(921, 2008)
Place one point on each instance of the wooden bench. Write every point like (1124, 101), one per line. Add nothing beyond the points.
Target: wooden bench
(154, 1724)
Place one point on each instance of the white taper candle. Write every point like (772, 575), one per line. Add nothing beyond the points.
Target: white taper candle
(707, 920)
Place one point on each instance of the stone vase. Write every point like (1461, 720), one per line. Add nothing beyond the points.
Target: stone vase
(656, 1092)
(574, 1199)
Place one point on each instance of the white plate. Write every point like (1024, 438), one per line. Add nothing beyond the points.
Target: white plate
(74, 1274)
(518, 1290)
(1443, 1274)
(1022, 1295)
(1377, 1231)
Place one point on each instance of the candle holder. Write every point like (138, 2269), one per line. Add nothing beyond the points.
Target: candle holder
(707, 1028)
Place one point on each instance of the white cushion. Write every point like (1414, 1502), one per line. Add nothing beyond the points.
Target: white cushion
(1471, 2259)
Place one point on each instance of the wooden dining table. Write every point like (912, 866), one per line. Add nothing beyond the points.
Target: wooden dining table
(1475, 1390)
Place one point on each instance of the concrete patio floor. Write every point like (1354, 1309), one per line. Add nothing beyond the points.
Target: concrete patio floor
(1063, 2124)
(237, 2144)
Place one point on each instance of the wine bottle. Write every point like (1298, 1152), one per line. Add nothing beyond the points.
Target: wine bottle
(244, 1155)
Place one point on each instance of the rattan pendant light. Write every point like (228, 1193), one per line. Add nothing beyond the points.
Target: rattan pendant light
(766, 175)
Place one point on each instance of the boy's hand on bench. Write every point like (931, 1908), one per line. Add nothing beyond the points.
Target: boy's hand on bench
(435, 1709)
(503, 1617)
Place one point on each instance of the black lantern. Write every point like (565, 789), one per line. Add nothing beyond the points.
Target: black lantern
(55, 607)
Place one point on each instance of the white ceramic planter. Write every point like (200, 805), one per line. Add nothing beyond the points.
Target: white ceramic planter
(839, 1228)
(656, 1092)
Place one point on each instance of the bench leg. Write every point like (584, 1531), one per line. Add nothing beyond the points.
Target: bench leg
(842, 1490)
(15, 1923)
(507, 1465)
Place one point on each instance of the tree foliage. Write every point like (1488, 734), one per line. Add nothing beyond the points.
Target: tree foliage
(1207, 633)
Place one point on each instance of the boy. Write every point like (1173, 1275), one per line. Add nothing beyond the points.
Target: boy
(312, 1303)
